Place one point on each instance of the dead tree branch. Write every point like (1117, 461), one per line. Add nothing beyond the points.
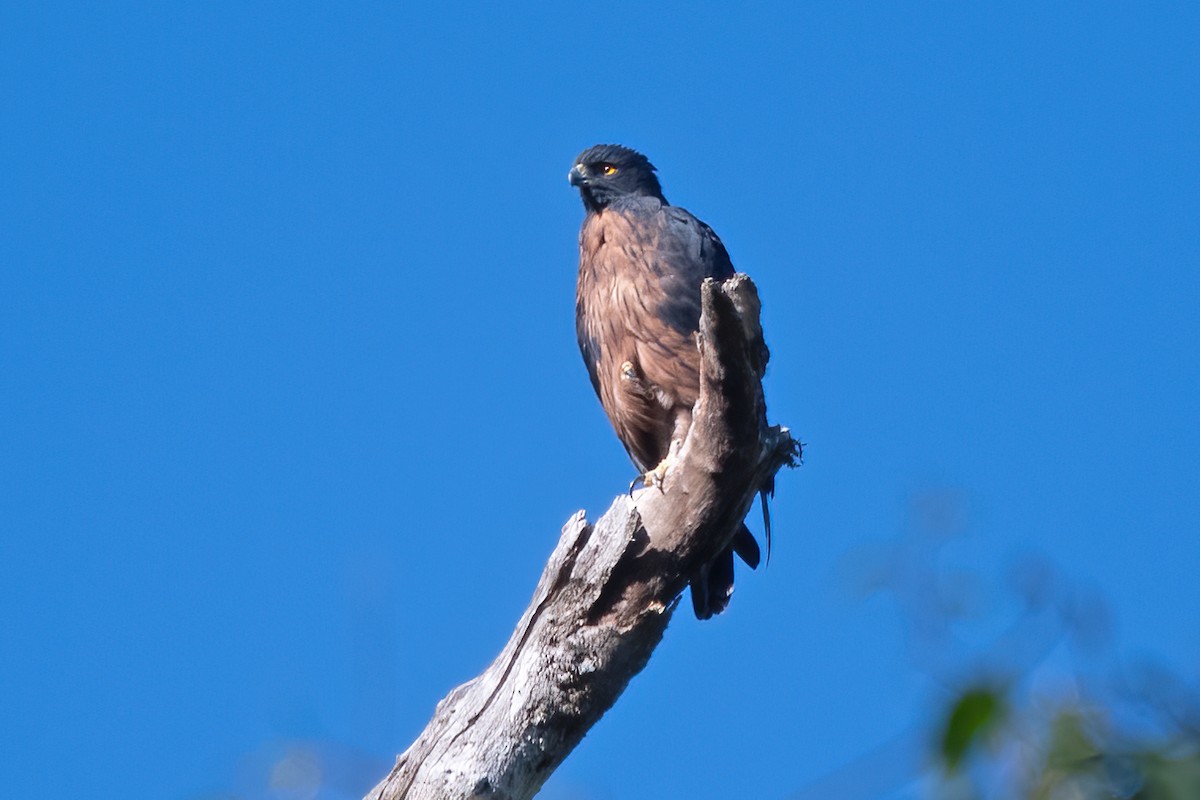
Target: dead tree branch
(608, 590)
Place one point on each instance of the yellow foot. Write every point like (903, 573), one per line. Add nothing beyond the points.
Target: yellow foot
(654, 477)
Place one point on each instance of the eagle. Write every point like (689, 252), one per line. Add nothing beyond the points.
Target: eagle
(637, 312)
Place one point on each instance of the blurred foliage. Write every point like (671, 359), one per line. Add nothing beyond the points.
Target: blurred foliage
(974, 716)
(1032, 700)
(290, 769)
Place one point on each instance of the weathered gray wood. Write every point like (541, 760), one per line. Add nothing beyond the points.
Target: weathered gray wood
(609, 589)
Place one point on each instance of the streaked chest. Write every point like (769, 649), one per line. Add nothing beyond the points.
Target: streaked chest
(617, 269)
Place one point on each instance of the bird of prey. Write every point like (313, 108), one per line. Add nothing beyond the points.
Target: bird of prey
(637, 311)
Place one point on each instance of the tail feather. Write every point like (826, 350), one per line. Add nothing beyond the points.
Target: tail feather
(713, 587)
(746, 547)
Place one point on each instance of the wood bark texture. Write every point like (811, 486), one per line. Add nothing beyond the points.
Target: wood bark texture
(608, 591)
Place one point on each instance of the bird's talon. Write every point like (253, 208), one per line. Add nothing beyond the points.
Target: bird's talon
(654, 478)
(657, 476)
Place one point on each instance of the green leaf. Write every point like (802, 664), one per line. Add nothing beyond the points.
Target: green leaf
(975, 715)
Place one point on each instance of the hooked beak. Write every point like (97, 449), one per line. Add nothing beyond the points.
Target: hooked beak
(576, 176)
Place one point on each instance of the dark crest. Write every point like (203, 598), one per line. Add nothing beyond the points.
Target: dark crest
(607, 172)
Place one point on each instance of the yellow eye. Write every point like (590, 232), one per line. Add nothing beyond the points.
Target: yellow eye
(608, 169)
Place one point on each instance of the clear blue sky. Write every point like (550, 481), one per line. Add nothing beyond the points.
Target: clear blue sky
(291, 410)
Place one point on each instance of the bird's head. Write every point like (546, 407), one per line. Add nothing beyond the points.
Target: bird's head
(607, 172)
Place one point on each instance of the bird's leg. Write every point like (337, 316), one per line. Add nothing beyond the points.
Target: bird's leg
(629, 375)
(656, 476)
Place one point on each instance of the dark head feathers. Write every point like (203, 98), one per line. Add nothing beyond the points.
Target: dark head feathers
(614, 154)
(607, 172)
